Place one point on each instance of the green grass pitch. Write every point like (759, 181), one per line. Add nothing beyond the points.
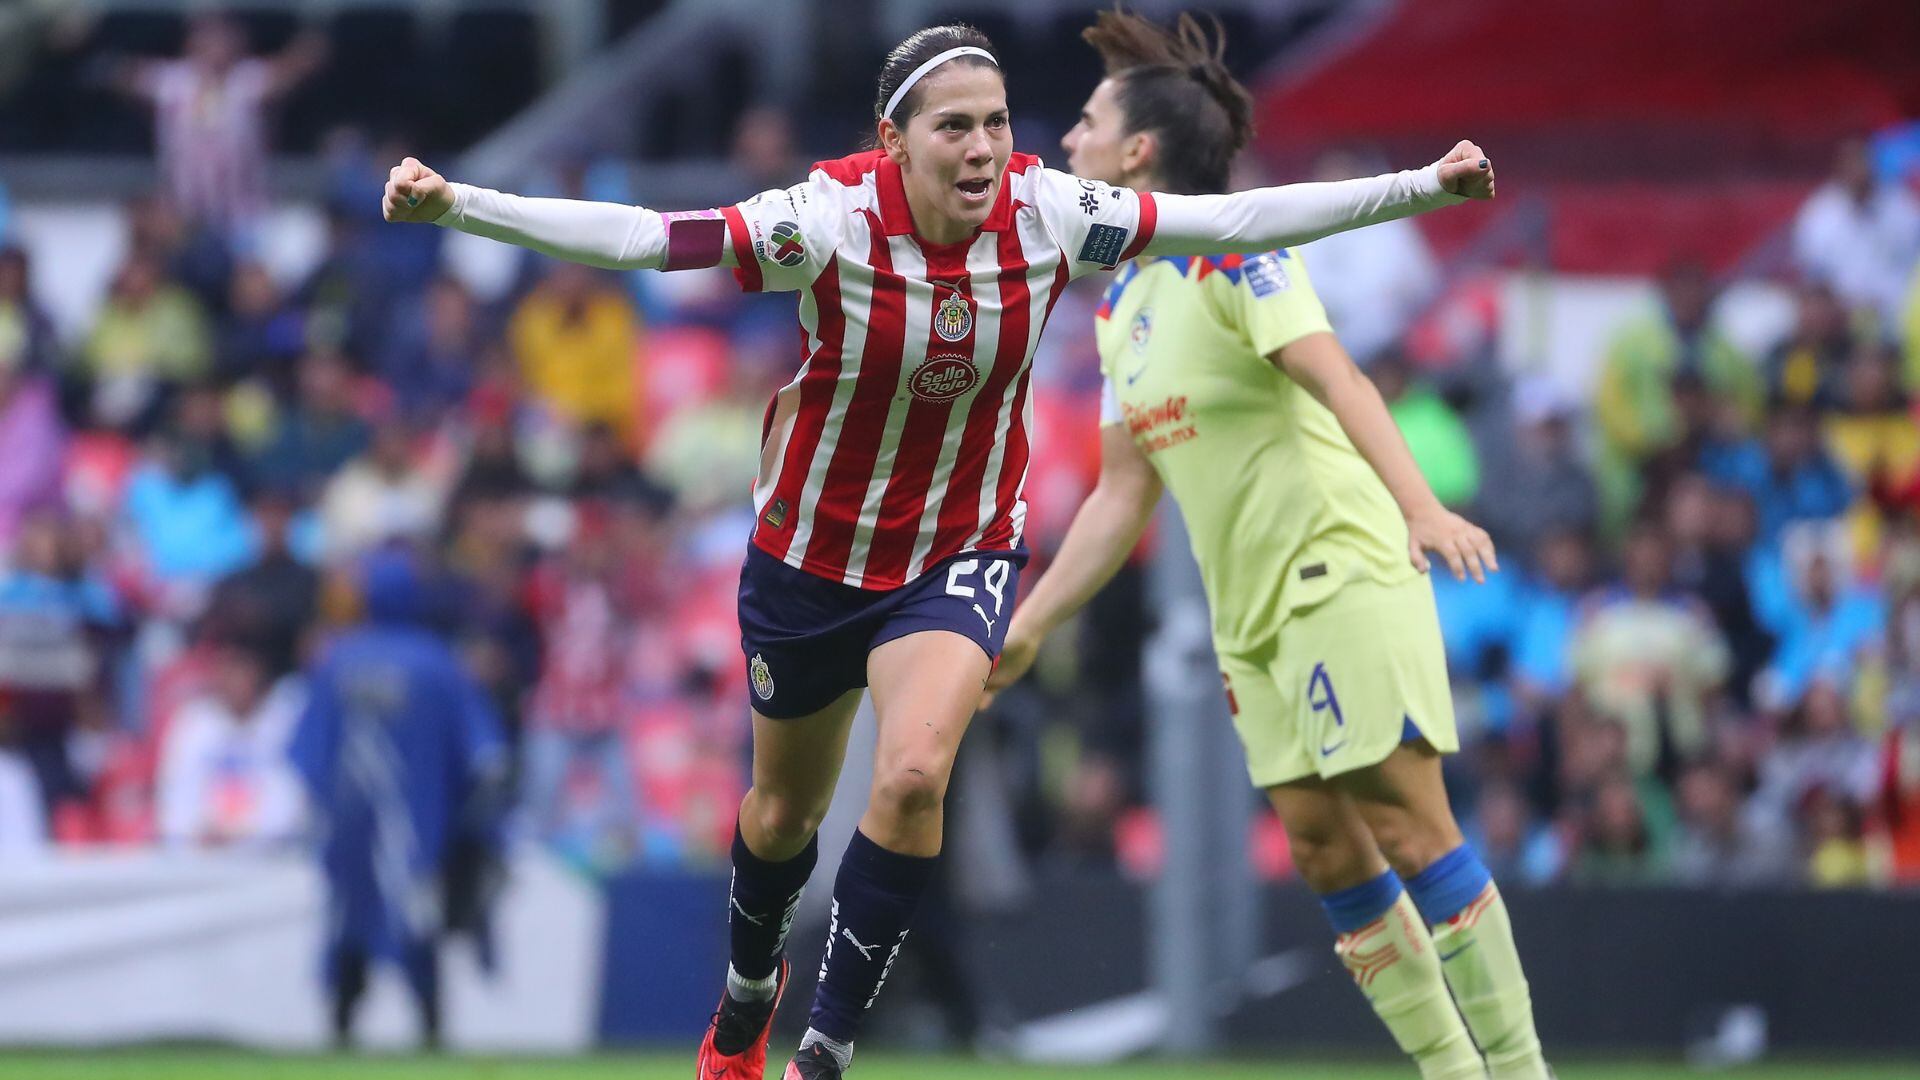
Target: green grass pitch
(199, 1064)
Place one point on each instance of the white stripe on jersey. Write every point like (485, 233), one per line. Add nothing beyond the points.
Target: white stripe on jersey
(1034, 242)
(909, 263)
(856, 293)
(786, 411)
(983, 267)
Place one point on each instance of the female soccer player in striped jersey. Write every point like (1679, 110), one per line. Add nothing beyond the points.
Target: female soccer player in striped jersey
(888, 510)
(1310, 523)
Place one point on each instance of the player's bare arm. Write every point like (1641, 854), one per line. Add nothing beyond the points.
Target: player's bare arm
(1104, 531)
(1320, 365)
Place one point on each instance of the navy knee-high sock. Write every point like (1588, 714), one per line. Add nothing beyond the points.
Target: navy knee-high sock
(761, 905)
(874, 898)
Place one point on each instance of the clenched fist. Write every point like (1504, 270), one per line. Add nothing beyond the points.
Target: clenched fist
(417, 193)
(1466, 171)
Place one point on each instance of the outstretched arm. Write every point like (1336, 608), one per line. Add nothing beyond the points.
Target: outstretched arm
(129, 77)
(607, 235)
(1260, 220)
(305, 55)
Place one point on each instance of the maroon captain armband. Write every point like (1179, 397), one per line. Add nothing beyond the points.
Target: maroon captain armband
(695, 238)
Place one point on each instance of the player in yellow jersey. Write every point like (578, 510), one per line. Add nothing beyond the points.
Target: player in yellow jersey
(1311, 525)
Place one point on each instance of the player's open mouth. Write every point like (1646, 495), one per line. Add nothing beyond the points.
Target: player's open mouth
(975, 190)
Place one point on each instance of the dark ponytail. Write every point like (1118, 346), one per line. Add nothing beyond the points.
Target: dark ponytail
(923, 46)
(1175, 84)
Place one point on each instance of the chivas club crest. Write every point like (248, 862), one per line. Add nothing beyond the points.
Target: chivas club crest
(762, 678)
(954, 319)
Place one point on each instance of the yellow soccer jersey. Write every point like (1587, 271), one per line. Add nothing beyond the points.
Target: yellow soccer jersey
(1282, 509)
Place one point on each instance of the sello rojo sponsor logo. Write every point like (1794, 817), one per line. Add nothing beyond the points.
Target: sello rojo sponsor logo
(943, 378)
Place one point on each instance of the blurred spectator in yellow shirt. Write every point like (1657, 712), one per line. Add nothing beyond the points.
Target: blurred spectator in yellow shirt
(1806, 367)
(577, 339)
(151, 332)
(1873, 434)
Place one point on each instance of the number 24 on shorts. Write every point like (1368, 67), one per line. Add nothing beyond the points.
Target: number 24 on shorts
(994, 580)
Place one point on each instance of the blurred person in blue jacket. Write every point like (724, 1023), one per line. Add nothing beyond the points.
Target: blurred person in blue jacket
(404, 758)
(1561, 575)
(1787, 471)
(1829, 621)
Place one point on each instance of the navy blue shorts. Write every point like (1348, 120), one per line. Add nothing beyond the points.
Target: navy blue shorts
(806, 639)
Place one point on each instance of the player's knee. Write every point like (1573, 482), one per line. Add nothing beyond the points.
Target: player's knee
(1325, 858)
(1409, 844)
(788, 819)
(910, 788)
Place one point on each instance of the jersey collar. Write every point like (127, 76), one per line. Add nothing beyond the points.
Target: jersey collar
(897, 218)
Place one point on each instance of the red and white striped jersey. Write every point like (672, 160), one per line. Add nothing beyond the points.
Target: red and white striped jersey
(903, 438)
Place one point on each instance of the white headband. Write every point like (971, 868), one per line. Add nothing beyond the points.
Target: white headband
(921, 71)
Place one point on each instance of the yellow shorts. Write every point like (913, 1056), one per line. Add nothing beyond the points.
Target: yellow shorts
(1343, 683)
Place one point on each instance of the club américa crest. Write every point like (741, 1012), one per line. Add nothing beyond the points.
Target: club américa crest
(1141, 330)
(762, 678)
(954, 318)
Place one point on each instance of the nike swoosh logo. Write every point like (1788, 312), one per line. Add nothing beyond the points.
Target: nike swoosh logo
(1135, 377)
(1446, 956)
(1326, 751)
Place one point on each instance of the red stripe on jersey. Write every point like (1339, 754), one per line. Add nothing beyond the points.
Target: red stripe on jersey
(845, 489)
(851, 170)
(960, 514)
(1013, 469)
(816, 401)
(923, 431)
(747, 268)
(890, 189)
(1149, 217)
(1005, 206)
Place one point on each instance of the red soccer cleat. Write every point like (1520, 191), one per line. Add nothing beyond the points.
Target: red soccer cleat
(736, 1044)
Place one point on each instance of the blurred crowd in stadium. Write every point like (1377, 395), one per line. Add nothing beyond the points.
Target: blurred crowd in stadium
(1700, 664)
